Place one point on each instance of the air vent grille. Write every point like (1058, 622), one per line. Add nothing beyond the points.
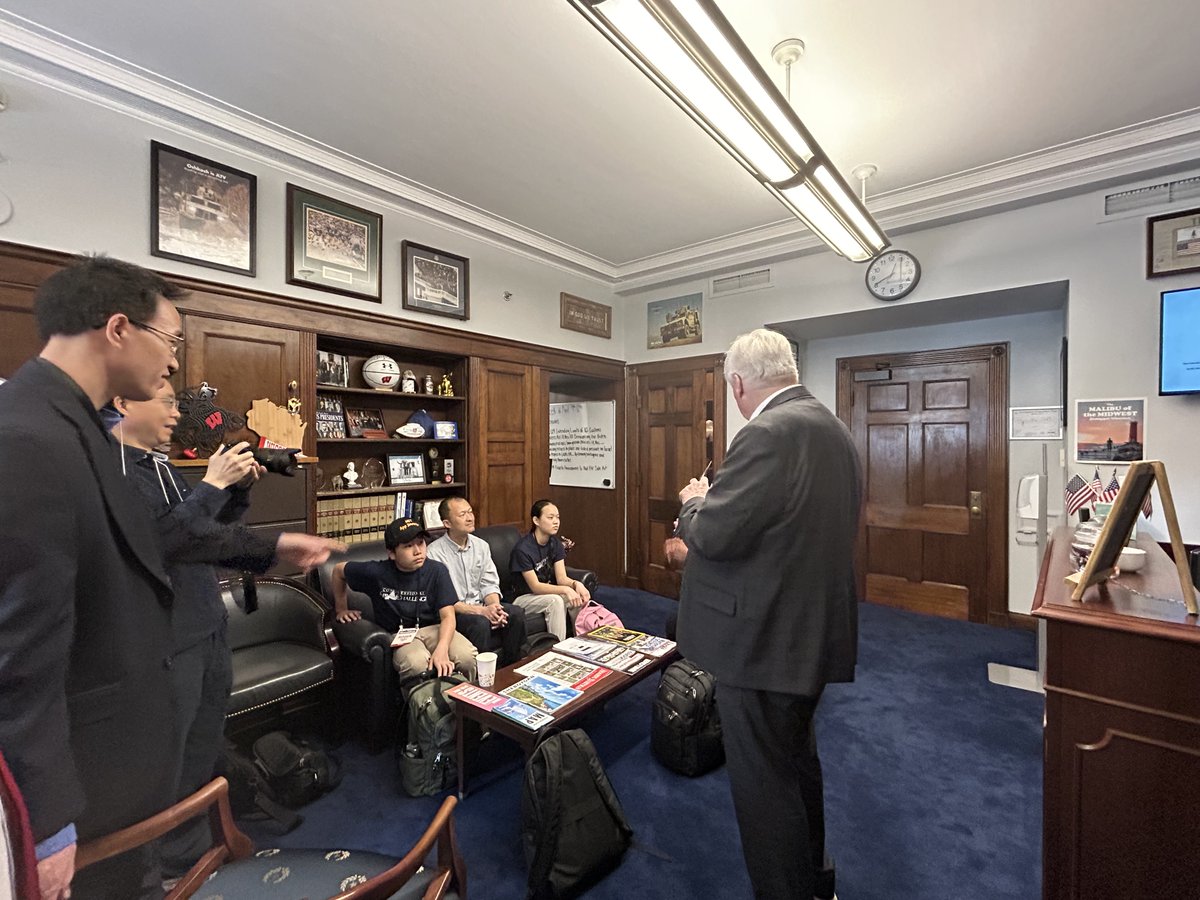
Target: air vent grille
(1154, 195)
(741, 282)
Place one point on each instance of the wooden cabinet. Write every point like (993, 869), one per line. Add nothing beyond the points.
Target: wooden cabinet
(504, 441)
(1122, 745)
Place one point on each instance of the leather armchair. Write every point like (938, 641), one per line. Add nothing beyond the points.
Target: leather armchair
(282, 652)
(367, 658)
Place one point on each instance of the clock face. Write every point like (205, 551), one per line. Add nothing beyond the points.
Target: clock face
(893, 274)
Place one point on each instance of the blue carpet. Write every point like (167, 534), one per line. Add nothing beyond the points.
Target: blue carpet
(933, 781)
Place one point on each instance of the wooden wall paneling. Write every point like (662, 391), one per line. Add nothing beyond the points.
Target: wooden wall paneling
(502, 450)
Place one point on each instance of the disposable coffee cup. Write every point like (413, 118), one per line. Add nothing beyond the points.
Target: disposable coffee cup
(485, 664)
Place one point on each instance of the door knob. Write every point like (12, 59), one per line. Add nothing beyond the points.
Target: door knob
(975, 504)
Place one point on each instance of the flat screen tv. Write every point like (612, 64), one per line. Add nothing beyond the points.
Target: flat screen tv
(1179, 342)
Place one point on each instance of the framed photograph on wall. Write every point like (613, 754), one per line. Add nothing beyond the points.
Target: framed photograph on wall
(202, 212)
(1035, 423)
(435, 281)
(332, 369)
(365, 423)
(406, 468)
(674, 322)
(333, 246)
(1112, 431)
(1173, 243)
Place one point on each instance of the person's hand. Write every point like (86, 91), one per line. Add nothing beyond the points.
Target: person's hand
(441, 662)
(572, 597)
(255, 473)
(305, 551)
(348, 615)
(584, 594)
(697, 487)
(495, 614)
(55, 873)
(229, 465)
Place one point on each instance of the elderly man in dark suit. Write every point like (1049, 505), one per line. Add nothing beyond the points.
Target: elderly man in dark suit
(768, 605)
(85, 626)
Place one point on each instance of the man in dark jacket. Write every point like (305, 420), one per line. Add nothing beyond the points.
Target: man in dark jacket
(768, 606)
(85, 630)
(199, 528)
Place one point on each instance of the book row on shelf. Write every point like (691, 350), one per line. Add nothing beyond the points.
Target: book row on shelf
(356, 519)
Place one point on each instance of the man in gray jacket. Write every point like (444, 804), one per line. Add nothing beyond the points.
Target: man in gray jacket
(768, 605)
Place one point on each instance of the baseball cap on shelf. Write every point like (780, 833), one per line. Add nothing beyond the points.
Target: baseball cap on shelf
(402, 531)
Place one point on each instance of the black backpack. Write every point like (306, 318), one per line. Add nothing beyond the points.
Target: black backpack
(572, 825)
(426, 756)
(250, 796)
(297, 771)
(685, 727)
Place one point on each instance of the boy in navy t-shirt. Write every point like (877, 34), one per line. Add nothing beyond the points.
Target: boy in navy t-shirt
(409, 591)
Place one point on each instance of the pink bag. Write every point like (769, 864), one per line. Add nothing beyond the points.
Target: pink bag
(593, 615)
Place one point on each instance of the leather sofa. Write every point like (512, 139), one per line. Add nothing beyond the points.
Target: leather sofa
(367, 660)
(283, 652)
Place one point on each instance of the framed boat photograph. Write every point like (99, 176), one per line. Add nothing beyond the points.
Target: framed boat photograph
(201, 211)
(333, 246)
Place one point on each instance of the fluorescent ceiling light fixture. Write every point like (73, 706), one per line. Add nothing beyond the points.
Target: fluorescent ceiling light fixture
(689, 49)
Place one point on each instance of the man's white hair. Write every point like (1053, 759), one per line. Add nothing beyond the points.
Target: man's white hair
(762, 357)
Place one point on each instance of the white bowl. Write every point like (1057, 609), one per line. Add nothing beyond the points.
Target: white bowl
(1131, 559)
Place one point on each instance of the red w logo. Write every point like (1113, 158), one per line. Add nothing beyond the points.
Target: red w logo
(214, 420)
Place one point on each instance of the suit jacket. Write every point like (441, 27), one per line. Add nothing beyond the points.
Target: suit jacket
(85, 630)
(768, 599)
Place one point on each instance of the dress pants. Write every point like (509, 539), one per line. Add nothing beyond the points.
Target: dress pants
(478, 630)
(778, 793)
(554, 608)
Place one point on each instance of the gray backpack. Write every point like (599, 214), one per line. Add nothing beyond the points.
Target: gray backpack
(425, 758)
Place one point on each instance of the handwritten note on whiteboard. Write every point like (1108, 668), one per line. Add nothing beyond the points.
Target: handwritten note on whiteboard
(583, 444)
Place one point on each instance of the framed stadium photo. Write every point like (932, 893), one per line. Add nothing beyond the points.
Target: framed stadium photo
(201, 212)
(435, 281)
(333, 246)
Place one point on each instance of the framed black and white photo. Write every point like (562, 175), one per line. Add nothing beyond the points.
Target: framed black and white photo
(201, 211)
(330, 418)
(332, 369)
(1173, 243)
(333, 246)
(365, 423)
(406, 468)
(435, 281)
(445, 431)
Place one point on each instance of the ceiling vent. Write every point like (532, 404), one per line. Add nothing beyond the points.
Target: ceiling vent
(1153, 196)
(740, 283)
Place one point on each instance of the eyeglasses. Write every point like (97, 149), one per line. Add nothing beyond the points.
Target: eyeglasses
(171, 340)
(171, 402)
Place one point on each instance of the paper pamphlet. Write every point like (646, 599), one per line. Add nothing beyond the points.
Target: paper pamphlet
(523, 714)
(476, 696)
(565, 670)
(541, 693)
(612, 656)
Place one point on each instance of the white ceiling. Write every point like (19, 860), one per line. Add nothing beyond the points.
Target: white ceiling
(517, 116)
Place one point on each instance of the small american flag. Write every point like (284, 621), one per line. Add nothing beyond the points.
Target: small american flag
(1109, 494)
(1147, 506)
(1077, 494)
(1097, 486)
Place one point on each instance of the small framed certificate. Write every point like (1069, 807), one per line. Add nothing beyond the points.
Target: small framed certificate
(1035, 423)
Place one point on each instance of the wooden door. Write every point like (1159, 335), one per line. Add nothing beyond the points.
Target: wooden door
(503, 417)
(247, 362)
(675, 402)
(930, 429)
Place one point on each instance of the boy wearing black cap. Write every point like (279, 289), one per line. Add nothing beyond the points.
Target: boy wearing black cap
(409, 591)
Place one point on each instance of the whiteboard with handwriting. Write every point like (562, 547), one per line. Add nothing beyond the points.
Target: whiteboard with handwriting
(583, 444)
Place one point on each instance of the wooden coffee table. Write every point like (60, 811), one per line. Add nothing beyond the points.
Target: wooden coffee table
(609, 686)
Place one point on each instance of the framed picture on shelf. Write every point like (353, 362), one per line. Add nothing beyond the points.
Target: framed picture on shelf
(330, 418)
(201, 212)
(333, 369)
(445, 431)
(333, 246)
(406, 468)
(435, 281)
(365, 423)
(1173, 243)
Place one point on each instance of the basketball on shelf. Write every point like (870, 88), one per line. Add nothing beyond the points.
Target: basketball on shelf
(381, 373)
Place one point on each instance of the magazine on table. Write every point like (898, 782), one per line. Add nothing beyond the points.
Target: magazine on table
(612, 656)
(649, 644)
(475, 695)
(541, 693)
(523, 713)
(577, 673)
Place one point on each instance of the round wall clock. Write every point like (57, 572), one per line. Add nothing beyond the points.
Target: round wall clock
(893, 274)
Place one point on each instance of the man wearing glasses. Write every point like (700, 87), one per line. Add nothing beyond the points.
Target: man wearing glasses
(85, 605)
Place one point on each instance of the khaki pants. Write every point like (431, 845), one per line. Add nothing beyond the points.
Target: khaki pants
(416, 656)
(553, 607)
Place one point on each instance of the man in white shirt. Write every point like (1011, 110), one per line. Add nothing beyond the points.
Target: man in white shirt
(479, 611)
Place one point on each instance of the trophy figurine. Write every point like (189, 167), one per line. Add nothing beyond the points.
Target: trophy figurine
(446, 389)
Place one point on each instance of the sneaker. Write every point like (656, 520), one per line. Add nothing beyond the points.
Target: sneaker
(825, 882)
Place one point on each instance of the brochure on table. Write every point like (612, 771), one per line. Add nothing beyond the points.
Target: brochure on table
(542, 693)
(576, 673)
(612, 656)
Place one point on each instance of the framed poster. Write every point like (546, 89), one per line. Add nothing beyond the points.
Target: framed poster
(435, 281)
(674, 322)
(1173, 243)
(201, 211)
(406, 468)
(1035, 423)
(333, 246)
(1110, 430)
